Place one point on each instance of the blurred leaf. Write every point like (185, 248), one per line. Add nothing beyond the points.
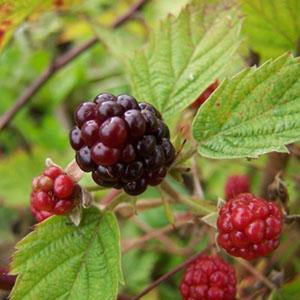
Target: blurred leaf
(254, 113)
(290, 291)
(159, 9)
(273, 27)
(138, 278)
(86, 259)
(19, 169)
(185, 55)
(119, 42)
(12, 13)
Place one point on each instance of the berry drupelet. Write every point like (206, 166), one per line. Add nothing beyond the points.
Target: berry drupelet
(125, 144)
(208, 278)
(52, 194)
(235, 185)
(249, 227)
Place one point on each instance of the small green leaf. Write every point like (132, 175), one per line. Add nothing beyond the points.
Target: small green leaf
(256, 112)
(185, 54)
(290, 291)
(61, 261)
(273, 27)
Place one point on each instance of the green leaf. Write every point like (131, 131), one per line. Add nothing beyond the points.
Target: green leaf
(255, 112)
(119, 41)
(185, 54)
(273, 27)
(290, 291)
(60, 261)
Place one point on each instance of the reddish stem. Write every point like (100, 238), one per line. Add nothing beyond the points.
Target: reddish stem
(165, 277)
(6, 281)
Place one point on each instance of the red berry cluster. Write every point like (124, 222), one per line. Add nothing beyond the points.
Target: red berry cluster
(52, 194)
(208, 278)
(125, 144)
(235, 185)
(203, 97)
(249, 226)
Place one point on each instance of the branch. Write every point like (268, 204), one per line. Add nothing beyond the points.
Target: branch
(58, 64)
(159, 234)
(276, 163)
(165, 277)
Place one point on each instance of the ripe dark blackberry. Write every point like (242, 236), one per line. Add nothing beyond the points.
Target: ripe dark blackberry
(235, 185)
(249, 226)
(125, 144)
(208, 278)
(52, 194)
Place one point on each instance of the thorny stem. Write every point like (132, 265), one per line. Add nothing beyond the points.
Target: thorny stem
(159, 234)
(127, 211)
(185, 156)
(256, 273)
(199, 209)
(94, 188)
(198, 192)
(120, 197)
(165, 277)
(58, 64)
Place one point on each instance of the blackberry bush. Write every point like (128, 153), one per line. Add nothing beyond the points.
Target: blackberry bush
(249, 99)
(249, 226)
(125, 144)
(52, 194)
(208, 278)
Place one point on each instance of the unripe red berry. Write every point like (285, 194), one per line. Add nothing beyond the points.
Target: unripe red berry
(53, 192)
(53, 172)
(208, 278)
(235, 185)
(63, 186)
(249, 226)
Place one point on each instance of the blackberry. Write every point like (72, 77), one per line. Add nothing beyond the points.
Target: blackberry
(125, 144)
(53, 193)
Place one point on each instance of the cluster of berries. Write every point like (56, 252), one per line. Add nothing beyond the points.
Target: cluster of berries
(125, 144)
(208, 278)
(53, 193)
